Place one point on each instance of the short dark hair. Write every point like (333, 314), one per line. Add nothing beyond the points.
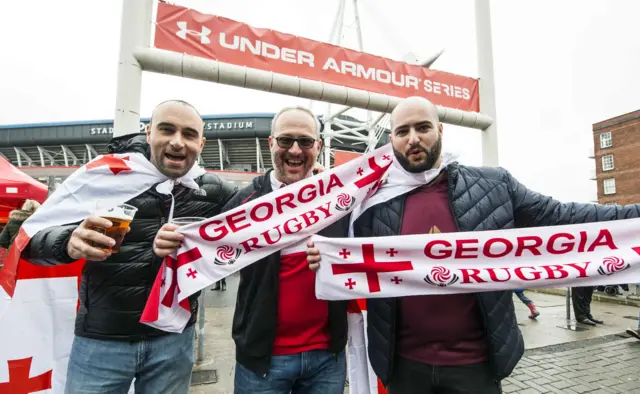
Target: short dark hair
(175, 101)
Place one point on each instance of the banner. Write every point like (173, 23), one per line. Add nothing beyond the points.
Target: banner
(219, 246)
(184, 30)
(447, 263)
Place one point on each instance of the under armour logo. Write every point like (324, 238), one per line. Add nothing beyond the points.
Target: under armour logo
(204, 34)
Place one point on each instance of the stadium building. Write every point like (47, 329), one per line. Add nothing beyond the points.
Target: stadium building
(237, 145)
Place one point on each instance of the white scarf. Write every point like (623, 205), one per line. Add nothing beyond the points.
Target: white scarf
(399, 181)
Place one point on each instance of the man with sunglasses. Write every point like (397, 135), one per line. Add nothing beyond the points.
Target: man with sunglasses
(287, 341)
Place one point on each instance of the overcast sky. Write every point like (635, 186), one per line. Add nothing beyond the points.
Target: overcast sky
(560, 67)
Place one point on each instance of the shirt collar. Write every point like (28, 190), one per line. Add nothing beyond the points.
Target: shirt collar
(275, 184)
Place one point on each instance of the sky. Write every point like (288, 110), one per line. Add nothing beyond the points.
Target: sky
(560, 66)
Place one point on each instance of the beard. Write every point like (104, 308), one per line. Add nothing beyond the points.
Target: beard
(431, 157)
(286, 177)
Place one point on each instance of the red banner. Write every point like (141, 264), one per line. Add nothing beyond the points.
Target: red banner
(183, 30)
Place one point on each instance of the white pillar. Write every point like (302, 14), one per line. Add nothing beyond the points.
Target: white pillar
(327, 145)
(221, 150)
(336, 39)
(257, 155)
(135, 32)
(487, 85)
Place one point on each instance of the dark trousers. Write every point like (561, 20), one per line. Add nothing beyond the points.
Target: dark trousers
(581, 298)
(411, 377)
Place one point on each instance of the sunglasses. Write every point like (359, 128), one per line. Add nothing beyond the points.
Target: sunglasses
(303, 142)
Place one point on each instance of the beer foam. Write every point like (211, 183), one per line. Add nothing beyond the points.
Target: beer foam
(114, 213)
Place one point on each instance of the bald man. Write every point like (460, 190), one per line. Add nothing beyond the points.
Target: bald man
(111, 347)
(461, 343)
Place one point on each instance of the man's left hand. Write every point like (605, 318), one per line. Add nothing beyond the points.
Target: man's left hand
(313, 256)
(167, 240)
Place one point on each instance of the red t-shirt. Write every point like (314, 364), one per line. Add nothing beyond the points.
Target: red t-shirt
(437, 329)
(303, 320)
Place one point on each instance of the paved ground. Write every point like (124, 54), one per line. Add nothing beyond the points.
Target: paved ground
(557, 360)
(612, 367)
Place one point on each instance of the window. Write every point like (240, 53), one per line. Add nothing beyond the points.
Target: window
(607, 163)
(609, 186)
(605, 140)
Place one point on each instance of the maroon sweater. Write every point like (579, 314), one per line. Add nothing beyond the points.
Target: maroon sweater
(437, 329)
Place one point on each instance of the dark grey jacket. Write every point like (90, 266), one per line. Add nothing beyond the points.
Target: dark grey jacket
(113, 292)
(480, 199)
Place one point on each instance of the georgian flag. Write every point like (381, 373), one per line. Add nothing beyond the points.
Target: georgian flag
(38, 304)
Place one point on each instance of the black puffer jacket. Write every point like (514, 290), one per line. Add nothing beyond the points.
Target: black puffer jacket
(256, 314)
(481, 199)
(114, 292)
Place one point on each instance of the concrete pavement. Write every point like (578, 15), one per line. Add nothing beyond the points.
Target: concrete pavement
(609, 367)
(599, 359)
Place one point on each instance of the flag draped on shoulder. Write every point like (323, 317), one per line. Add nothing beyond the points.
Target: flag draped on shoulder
(38, 304)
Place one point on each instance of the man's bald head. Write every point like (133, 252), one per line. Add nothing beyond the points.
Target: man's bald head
(174, 102)
(416, 134)
(414, 103)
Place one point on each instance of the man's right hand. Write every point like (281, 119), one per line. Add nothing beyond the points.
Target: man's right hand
(83, 237)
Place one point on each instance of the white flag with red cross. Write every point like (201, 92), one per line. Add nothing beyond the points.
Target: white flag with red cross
(590, 254)
(38, 304)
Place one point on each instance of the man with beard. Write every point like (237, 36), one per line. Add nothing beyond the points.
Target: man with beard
(288, 341)
(461, 343)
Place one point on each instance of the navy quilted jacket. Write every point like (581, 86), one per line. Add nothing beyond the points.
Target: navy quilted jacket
(481, 199)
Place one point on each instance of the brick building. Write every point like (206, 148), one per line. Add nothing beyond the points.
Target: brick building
(616, 152)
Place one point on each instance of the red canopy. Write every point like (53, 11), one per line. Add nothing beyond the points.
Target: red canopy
(15, 187)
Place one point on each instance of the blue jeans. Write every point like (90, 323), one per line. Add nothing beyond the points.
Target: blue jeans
(160, 365)
(313, 372)
(525, 300)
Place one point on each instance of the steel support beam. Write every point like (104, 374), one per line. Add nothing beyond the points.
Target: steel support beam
(486, 82)
(91, 152)
(21, 154)
(182, 65)
(221, 152)
(69, 153)
(43, 152)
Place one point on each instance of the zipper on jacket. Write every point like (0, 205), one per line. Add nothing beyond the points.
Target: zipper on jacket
(394, 307)
(450, 186)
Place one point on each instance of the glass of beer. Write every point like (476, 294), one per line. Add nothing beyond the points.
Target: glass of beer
(120, 217)
(186, 220)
